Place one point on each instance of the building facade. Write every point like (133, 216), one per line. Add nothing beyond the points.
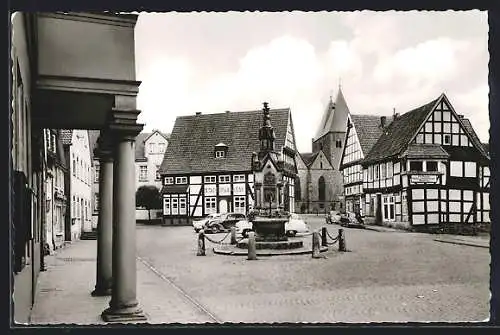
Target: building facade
(207, 167)
(78, 155)
(363, 131)
(55, 197)
(428, 170)
(321, 181)
(149, 151)
(316, 185)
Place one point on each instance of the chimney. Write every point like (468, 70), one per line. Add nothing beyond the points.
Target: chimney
(198, 113)
(382, 121)
(227, 112)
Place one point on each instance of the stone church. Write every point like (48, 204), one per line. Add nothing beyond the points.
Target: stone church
(319, 184)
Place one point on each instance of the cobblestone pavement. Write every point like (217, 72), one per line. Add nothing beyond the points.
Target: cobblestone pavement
(388, 276)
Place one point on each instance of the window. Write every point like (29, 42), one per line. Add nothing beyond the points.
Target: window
(181, 180)
(143, 173)
(239, 178)
(220, 154)
(74, 167)
(96, 201)
(338, 144)
(152, 147)
(377, 172)
(390, 171)
(383, 172)
(158, 175)
(182, 206)
(166, 206)
(161, 147)
(470, 169)
(224, 179)
(239, 204)
(432, 166)
(416, 166)
(321, 189)
(175, 206)
(388, 204)
(169, 180)
(209, 179)
(456, 169)
(210, 205)
(447, 139)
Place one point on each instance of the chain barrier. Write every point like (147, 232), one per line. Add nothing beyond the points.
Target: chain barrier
(334, 239)
(217, 242)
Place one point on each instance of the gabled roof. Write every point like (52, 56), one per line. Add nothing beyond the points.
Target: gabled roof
(397, 135)
(368, 128)
(425, 151)
(166, 136)
(193, 138)
(475, 139)
(309, 157)
(335, 116)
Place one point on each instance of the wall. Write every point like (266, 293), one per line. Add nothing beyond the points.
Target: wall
(81, 183)
(154, 159)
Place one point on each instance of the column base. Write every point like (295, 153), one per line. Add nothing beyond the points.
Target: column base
(126, 314)
(101, 292)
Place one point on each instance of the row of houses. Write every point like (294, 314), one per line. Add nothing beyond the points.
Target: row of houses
(425, 168)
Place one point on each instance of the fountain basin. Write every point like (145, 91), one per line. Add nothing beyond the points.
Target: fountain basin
(269, 229)
(273, 245)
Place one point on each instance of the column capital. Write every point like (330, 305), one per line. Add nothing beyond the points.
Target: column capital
(122, 125)
(104, 148)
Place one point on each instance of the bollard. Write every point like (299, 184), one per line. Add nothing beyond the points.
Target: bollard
(233, 235)
(315, 245)
(201, 244)
(252, 248)
(341, 240)
(323, 237)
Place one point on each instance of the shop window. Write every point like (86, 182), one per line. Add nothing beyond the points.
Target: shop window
(432, 166)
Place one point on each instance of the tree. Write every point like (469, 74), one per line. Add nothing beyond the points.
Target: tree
(148, 197)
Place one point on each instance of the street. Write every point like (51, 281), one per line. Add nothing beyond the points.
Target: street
(387, 276)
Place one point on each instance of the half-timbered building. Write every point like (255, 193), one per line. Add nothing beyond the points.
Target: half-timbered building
(428, 170)
(207, 167)
(363, 131)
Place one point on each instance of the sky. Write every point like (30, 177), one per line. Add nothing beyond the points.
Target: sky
(214, 62)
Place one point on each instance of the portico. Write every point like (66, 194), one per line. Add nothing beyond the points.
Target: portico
(82, 67)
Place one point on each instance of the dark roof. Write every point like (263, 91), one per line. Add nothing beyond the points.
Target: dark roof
(334, 117)
(309, 157)
(193, 139)
(398, 134)
(169, 189)
(368, 130)
(486, 147)
(425, 151)
(66, 136)
(475, 139)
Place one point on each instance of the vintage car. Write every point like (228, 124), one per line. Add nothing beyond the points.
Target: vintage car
(199, 224)
(295, 225)
(333, 217)
(223, 222)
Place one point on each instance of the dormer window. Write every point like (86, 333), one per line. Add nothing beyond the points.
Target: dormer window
(220, 150)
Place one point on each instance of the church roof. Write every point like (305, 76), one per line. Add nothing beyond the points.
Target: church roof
(335, 116)
(194, 137)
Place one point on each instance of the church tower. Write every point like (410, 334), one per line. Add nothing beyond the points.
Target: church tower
(332, 130)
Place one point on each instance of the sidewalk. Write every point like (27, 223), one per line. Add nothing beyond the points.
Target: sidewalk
(63, 292)
(473, 241)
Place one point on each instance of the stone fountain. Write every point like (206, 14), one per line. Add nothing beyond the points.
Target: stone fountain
(269, 215)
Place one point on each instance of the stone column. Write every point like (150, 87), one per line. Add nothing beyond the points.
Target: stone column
(124, 305)
(104, 221)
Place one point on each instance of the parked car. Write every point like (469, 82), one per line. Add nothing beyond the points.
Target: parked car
(333, 217)
(350, 219)
(199, 224)
(223, 222)
(294, 226)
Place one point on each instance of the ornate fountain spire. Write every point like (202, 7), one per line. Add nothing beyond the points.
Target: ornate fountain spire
(266, 133)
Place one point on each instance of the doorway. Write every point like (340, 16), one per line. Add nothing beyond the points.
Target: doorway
(378, 210)
(223, 206)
